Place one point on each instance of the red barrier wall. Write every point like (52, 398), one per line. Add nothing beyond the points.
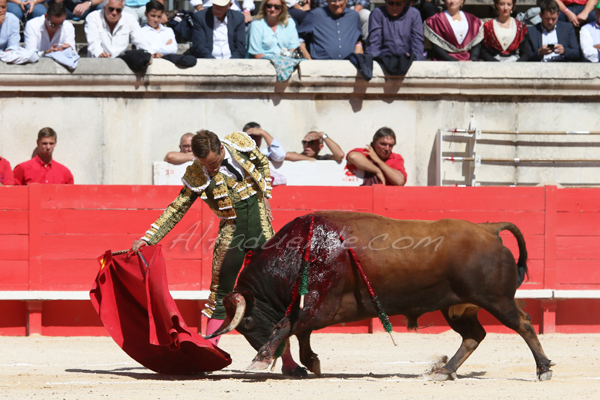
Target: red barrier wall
(52, 234)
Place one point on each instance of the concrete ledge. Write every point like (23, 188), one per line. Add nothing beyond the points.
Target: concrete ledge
(425, 78)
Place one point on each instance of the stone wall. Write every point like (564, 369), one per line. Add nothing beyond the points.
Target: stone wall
(113, 124)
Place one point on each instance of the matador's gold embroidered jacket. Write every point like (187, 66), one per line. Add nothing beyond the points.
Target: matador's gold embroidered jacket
(219, 192)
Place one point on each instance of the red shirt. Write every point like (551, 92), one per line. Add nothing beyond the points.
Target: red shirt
(569, 2)
(6, 174)
(36, 171)
(394, 160)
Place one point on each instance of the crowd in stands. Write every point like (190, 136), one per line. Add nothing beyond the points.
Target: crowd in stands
(298, 29)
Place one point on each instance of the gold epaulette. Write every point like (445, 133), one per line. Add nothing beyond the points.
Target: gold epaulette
(240, 141)
(196, 177)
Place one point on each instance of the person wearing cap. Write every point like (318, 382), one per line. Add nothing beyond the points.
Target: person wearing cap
(589, 37)
(313, 143)
(219, 32)
(247, 7)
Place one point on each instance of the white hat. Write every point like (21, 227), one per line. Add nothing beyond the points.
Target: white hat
(221, 3)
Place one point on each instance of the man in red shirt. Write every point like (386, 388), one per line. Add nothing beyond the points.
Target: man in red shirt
(378, 161)
(6, 174)
(41, 168)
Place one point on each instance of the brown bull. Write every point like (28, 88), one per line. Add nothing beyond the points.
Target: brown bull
(414, 267)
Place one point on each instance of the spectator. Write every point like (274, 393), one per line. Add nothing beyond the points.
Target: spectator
(272, 31)
(362, 7)
(109, 31)
(26, 8)
(589, 37)
(6, 174)
(454, 35)
(332, 33)
(505, 38)
(50, 32)
(298, 10)
(9, 29)
(247, 5)
(381, 166)
(137, 9)
(577, 12)
(155, 38)
(274, 151)
(313, 144)
(396, 29)
(42, 168)
(79, 9)
(553, 40)
(219, 32)
(185, 151)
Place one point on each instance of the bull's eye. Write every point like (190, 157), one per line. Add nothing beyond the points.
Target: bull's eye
(247, 323)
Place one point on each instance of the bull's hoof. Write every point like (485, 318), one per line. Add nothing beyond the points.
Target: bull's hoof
(315, 367)
(258, 365)
(545, 376)
(443, 376)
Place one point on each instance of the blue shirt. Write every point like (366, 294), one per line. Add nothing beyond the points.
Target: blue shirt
(393, 36)
(351, 3)
(262, 39)
(330, 37)
(9, 33)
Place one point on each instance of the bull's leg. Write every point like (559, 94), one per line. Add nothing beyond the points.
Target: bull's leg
(307, 357)
(472, 333)
(512, 316)
(266, 354)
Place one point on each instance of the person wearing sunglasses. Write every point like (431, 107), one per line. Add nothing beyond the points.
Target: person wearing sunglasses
(50, 32)
(219, 32)
(331, 33)
(273, 31)
(313, 143)
(109, 31)
(395, 29)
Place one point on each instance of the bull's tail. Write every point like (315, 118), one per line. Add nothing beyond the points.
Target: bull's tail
(495, 229)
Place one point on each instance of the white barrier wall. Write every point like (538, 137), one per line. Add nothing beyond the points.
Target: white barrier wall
(113, 124)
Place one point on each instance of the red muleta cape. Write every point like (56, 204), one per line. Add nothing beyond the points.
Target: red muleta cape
(135, 306)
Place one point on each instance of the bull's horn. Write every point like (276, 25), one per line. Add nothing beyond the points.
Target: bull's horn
(230, 323)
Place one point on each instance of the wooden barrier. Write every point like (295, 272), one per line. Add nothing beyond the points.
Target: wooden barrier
(52, 235)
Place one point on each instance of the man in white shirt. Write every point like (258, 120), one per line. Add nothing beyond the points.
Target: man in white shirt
(589, 37)
(274, 151)
(50, 32)
(109, 31)
(219, 32)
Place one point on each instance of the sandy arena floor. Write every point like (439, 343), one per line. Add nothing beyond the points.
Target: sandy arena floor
(354, 367)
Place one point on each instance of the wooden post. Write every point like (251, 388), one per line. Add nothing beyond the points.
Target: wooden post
(34, 318)
(549, 306)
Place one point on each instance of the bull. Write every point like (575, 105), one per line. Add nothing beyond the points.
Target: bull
(414, 267)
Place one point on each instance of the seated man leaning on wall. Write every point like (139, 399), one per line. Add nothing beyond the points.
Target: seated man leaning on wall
(331, 33)
(313, 144)
(381, 166)
(9, 29)
(589, 37)
(109, 31)
(42, 168)
(274, 151)
(553, 40)
(50, 32)
(394, 29)
(219, 32)
(362, 7)
(185, 151)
